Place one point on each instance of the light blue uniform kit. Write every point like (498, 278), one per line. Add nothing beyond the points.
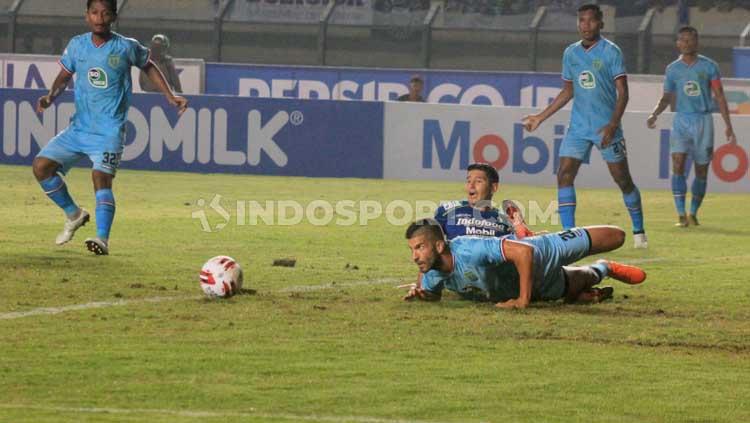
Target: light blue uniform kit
(693, 125)
(593, 72)
(481, 271)
(102, 98)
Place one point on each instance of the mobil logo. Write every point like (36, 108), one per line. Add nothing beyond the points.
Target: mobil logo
(451, 144)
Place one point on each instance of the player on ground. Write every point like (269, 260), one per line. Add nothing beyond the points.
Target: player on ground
(513, 273)
(690, 80)
(593, 74)
(101, 61)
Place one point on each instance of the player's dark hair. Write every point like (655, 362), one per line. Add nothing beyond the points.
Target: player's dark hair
(593, 7)
(429, 225)
(688, 29)
(488, 170)
(111, 5)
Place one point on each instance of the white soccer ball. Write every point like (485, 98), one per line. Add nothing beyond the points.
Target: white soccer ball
(221, 276)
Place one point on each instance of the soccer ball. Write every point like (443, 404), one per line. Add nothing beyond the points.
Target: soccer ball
(221, 276)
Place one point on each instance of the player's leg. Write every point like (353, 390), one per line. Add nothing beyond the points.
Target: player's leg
(515, 215)
(679, 187)
(703, 154)
(573, 151)
(617, 162)
(105, 155)
(580, 280)
(57, 156)
(566, 191)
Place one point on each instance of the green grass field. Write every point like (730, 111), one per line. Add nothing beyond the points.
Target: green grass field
(347, 349)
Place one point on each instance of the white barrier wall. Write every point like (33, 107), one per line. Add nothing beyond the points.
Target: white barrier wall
(436, 141)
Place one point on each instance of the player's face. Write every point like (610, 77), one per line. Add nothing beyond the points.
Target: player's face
(415, 88)
(478, 187)
(100, 18)
(687, 43)
(423, 252)
(588, 25)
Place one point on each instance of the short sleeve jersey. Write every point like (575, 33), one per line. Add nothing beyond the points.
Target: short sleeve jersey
(593, 72)
(102, 80)
(691, 84)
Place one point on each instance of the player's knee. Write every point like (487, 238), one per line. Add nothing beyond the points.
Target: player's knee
(618, 237)
(565, 178)
(42, 169)
(701, 171)
(625, 183)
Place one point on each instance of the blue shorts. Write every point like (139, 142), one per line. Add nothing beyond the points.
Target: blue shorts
(580, 148)
(551, 253)
(71, 145)
(693, 133)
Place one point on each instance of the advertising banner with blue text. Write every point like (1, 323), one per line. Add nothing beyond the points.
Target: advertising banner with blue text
(438, 142)
(218, 134)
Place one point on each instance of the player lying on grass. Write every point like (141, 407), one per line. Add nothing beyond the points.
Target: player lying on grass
(513, 273)
(101, 61)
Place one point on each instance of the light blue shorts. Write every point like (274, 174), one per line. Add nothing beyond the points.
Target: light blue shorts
(71, 145)
(580, 148)
(551, 253)
(693, 133)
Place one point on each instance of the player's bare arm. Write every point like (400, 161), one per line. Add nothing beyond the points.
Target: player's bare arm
(664, 102)
(61, 81)
(721, 100)
(522, 256)
(531, 122)
(417, 293)
(155, 75)
(608, 131)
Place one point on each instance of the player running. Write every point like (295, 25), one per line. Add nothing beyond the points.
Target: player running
(513, 273)
(690, 80)
(593, 73)
(101, 61)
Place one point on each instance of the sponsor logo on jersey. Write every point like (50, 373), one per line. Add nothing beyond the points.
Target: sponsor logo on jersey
(98, 78)
(692, 89)
(587, 80)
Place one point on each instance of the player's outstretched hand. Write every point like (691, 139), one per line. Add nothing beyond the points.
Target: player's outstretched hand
(731, 138)
(531, 122)
(607, 132)
(180, 102)
(651, 122)
(43, 102)
(510, 304)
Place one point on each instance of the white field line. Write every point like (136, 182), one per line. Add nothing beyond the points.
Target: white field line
(214, 414)
(103, 304)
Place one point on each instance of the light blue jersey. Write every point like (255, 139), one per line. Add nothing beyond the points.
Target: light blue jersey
(102, 80)
(102, 97)
(693, 125)
(691, 84)
(593, 72)
(481, 271)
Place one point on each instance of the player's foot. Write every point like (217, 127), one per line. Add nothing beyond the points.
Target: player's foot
(595, 295)
(71, 226)
(693, 220)
(630, 275)
(640, 241)
(682, 222)
(97, 246)
(516, 218)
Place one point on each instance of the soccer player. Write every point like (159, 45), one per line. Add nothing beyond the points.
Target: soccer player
(593, 74)
(101, 61)
(690, 80)
(513, 273)
(476, 216)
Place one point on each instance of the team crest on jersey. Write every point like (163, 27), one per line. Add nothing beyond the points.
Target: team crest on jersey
(98, 78)
(597, 63)
(113, 60)
(587, 80)
(703, 76)
(692, 89)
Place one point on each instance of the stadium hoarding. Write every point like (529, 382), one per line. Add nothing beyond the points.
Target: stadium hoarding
(525, 89)
(218, 134)
(34, 71)
(444, 139)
